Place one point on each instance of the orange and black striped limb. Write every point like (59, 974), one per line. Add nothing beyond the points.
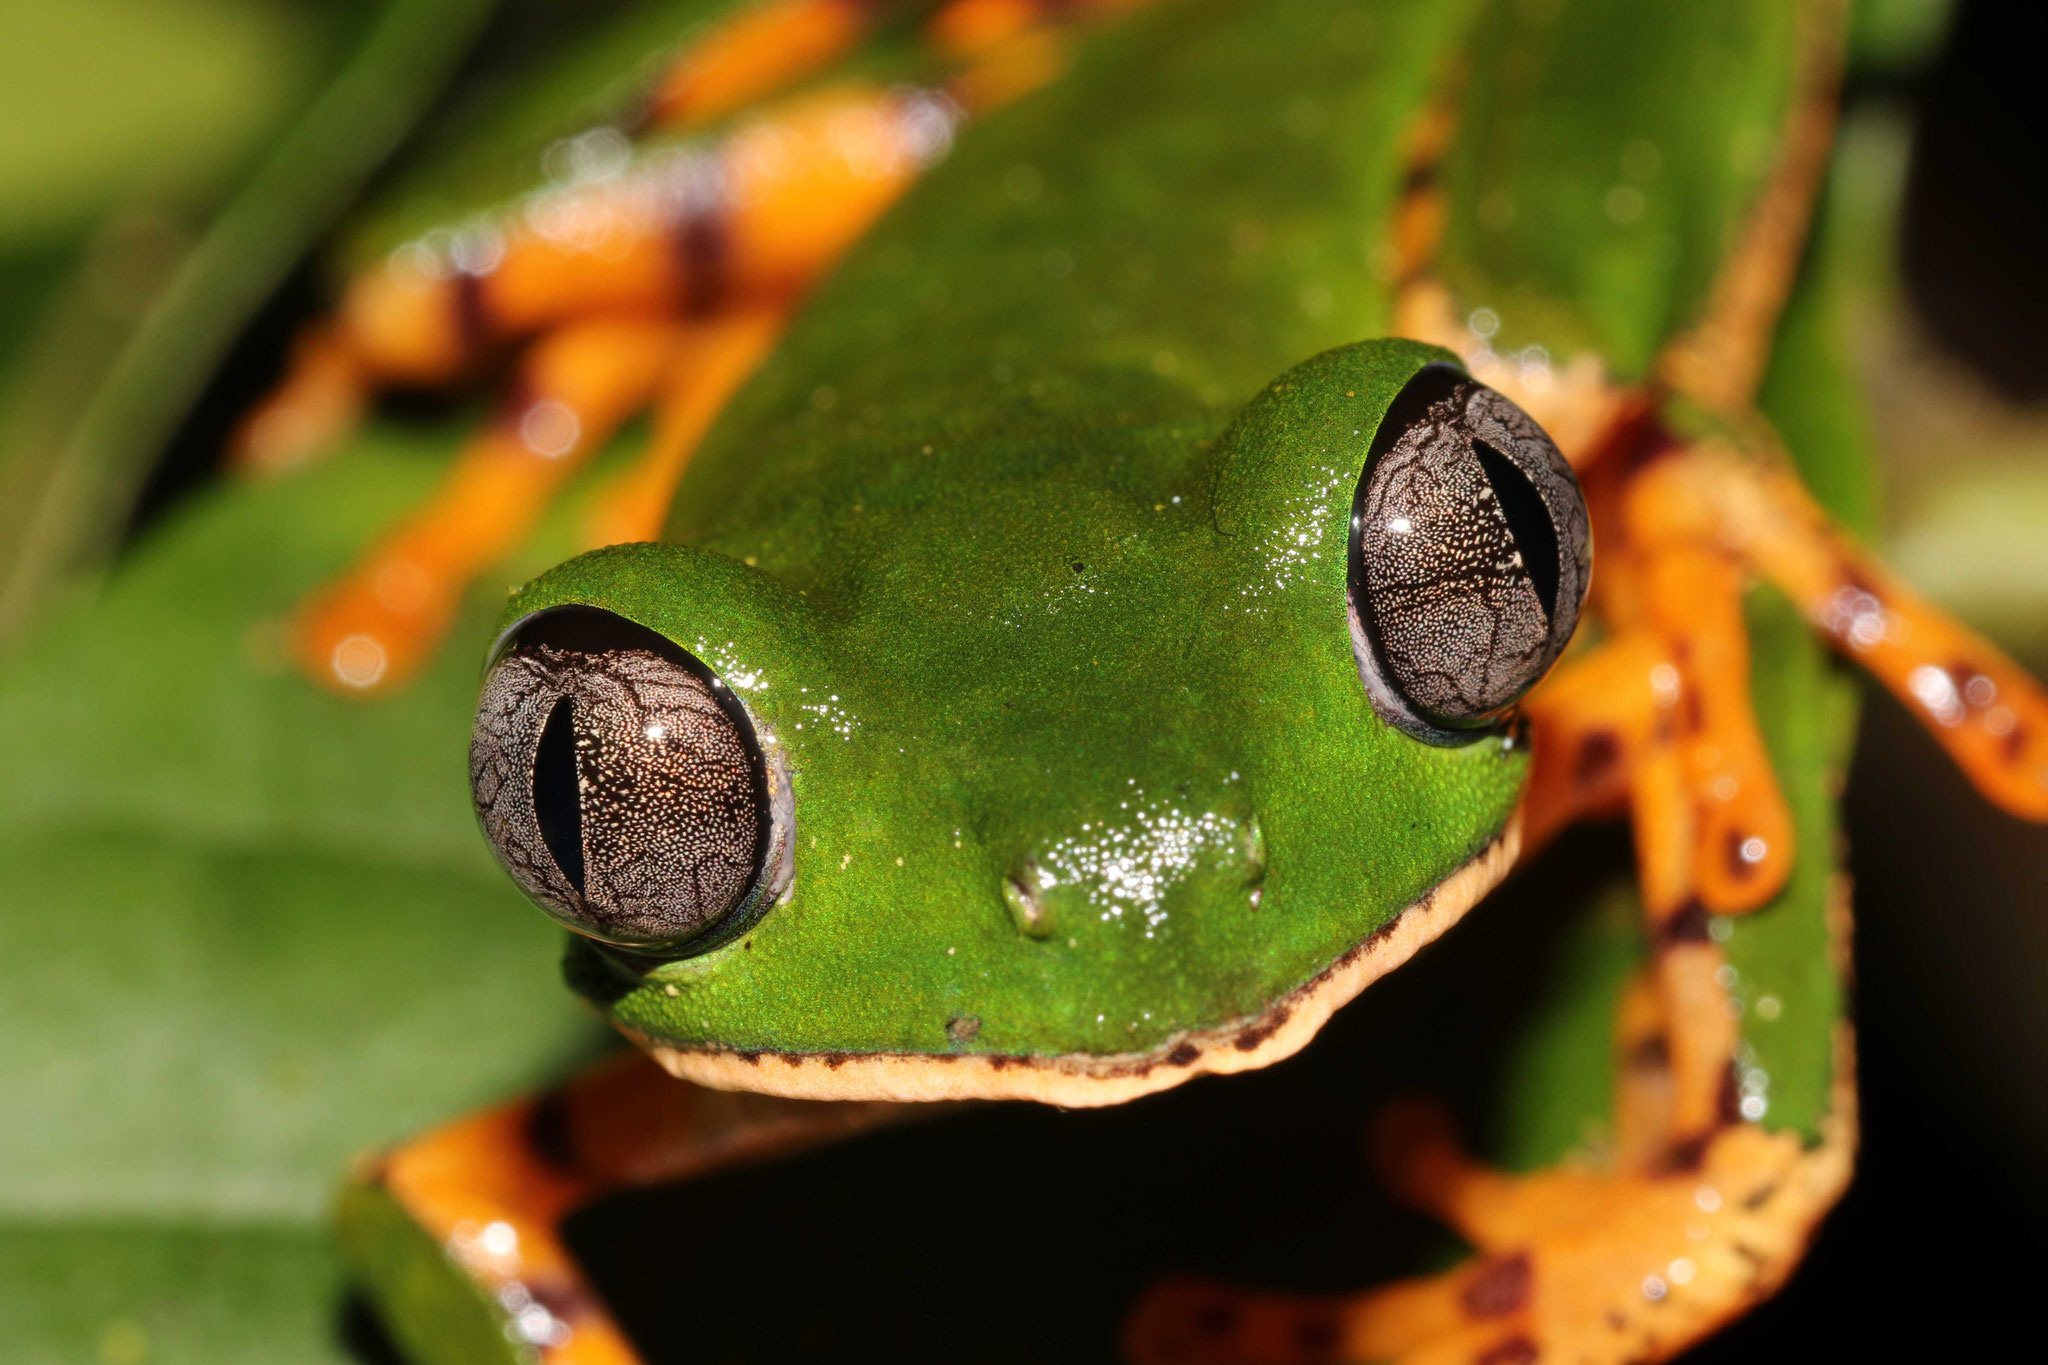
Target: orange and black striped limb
(493, 1189)
(373, 627)
(664, 281)
(758, 217)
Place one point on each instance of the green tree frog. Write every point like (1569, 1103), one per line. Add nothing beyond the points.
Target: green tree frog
(1075, 627)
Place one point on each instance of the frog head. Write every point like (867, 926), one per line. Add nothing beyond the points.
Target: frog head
(1066, 768)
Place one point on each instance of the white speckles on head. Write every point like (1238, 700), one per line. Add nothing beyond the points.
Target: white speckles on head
(1299, 537)
(1125, 870)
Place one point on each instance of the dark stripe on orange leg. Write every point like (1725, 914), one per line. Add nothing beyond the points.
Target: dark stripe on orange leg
(1694, 598)
(1585, 721)
(1499, 1286)
(1989, 714)
(704, 251)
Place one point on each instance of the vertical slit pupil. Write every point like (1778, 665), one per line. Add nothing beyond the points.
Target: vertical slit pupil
(1528, 522)
(557, 797)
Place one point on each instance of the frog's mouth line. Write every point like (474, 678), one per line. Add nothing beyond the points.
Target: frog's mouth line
(1085, 1080)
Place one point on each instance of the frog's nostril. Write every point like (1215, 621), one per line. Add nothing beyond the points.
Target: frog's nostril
(1254, 844)
(1027, 907)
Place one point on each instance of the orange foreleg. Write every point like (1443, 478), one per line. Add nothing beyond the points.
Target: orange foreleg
(1983, 708)
(756, 219)
(376, 624)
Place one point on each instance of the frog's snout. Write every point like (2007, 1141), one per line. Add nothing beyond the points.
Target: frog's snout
(1155, 861)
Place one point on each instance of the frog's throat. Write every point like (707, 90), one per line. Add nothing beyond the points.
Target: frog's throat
(1086, 1079)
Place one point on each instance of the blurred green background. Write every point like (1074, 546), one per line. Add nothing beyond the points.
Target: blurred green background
(229, 958)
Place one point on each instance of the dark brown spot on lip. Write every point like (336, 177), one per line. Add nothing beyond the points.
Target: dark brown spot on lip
(1498, 1287)
(791, 1060)
(1519, 1350)
(2015, 744)
(835, 1060)
(1183, 1055)
(750, 1058)
(1597, 756)
(1651, 1054)
(1249, 1039)
(998, 1062)
(1385, 931)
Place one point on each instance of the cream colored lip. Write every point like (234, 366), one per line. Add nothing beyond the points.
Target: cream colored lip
(1086, 1080)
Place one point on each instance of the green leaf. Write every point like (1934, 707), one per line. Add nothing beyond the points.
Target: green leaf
(249, 930)
(142, 1293)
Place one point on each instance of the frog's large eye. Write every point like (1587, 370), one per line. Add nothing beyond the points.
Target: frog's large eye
(618, 780)
(1470, 557)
